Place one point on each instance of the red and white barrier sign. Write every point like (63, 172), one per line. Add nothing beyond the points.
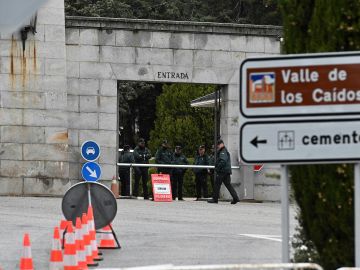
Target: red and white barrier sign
(258, 168)
(161, 187)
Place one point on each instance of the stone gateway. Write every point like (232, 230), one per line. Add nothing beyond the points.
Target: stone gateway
(61, 90)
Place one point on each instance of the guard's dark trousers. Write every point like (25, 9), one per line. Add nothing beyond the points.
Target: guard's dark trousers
(177, 181)
(143, 174)
(224, 178)
(125, 182)
(201, 185)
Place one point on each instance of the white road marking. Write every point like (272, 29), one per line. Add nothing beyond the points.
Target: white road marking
(276, 238)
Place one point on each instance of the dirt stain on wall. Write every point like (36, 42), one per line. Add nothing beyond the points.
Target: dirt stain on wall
(19, 65)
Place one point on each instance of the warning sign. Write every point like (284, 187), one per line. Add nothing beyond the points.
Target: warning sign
(161, 187)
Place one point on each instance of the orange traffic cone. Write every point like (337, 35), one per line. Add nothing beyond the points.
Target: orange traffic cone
(26, 262)
(92, 233)
(115, 187)
(63, 224)
(70, 259)
(107, 240)
(79, 240)
(87, 241)
(56, 257)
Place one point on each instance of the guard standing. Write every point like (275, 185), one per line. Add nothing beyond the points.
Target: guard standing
(124, 172)
(201, 174)
(177, 178)
(141, 155)
(223, 172)
(164, 156)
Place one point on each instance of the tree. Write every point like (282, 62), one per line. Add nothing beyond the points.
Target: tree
(324, 193)
(226, 11)
(137, 101)
(180, 123)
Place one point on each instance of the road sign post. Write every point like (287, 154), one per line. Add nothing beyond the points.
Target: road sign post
(357, 214)
(300, 109)
(285, 214)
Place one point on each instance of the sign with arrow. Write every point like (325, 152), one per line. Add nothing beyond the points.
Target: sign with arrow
(303, 91)
(300, 142)
(91, 171)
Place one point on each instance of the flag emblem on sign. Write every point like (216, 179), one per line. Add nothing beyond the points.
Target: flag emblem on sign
(262, 87)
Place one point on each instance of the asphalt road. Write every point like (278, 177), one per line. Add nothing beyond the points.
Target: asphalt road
(179, 233)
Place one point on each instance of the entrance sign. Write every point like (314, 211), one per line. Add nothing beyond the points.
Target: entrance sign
(300, 142)
(161, 187)
(91, 171)
(90, 151)
(300, 85)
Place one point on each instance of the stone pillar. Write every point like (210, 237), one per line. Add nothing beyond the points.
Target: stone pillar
(92, 98)
(243, 179)
(33, 104)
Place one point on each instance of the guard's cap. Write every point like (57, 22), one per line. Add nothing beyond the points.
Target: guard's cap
(178, 147)
(141, 140)
(126, 147)
(164, 142)
(220, 141)
(202, 146)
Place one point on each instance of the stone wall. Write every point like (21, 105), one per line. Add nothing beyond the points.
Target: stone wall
(33, 108)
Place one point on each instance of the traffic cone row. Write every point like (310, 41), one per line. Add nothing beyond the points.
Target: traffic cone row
(78, 249)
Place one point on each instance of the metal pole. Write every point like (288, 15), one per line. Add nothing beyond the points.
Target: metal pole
(89, 193)
(215, 122)
(285, 214)
(131, 176)
(357, 213)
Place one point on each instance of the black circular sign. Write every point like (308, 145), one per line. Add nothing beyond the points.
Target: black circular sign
(76, 202)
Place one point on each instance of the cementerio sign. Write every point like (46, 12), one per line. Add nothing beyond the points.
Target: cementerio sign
(297, 85)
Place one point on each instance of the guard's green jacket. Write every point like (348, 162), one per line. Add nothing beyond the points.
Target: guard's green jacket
(163, 156)
(179, 160)
(212, 160)
(125, 157)
(201, 160)
(142, 155)
(223, 162)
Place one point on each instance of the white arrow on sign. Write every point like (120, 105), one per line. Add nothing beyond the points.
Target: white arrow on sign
(92, 172)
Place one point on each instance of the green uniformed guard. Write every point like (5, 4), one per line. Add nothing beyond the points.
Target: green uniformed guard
(223, 172)
(164, 156)
(141, 155)
(177, 177)
(124, 172)
(201, 174)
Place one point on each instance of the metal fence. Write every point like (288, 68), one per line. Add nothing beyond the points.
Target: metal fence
(227, 267)
(132, 165)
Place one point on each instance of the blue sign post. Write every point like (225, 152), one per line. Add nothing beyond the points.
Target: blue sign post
(91, 171)
(90, 151)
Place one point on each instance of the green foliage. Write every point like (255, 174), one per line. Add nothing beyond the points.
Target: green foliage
(227, 11)
(324, 193)
(137, 102)
(178, 122)
(320, 26)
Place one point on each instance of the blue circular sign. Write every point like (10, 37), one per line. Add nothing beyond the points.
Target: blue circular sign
(91, 171)
(90, 150)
